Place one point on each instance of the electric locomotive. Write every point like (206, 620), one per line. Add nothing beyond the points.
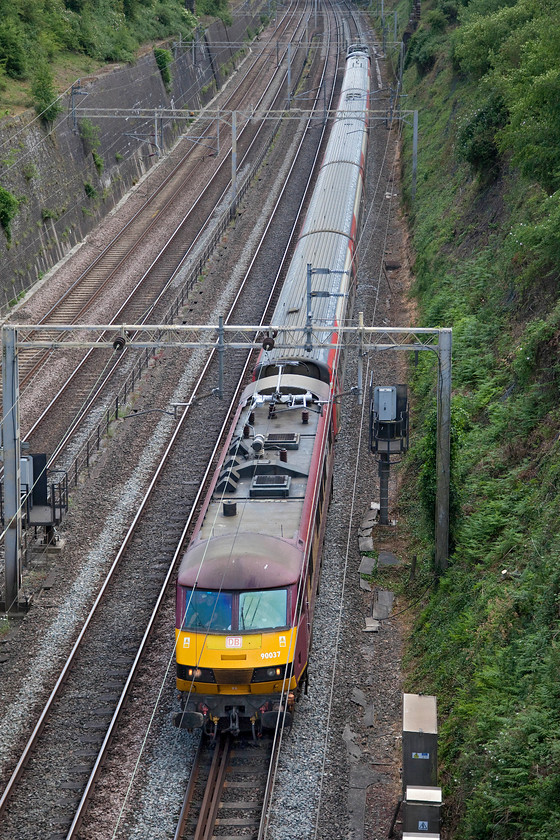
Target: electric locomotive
(247, 582)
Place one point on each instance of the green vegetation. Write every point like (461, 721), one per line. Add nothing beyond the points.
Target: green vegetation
(89, 134)
(104, 30)
(164, 59)
(44, 92)
(215, 8)
(12, 302)
(9, 205)
(485, 77)
(29, 171)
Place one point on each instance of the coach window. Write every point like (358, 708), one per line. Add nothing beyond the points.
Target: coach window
(208, 610)
(318, 517)
(260, 610)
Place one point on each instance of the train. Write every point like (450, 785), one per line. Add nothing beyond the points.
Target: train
(247, 583)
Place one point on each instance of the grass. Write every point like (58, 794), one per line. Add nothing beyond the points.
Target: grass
(15, 96)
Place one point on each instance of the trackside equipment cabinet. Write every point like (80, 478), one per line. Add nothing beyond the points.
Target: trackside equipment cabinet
(419, 740)
(422, 810)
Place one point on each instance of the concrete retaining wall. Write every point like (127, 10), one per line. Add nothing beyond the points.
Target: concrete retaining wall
(63, 193)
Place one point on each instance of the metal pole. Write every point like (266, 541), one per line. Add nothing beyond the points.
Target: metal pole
(156, 133)
(360, 360)
(221, 351)
(443, 449)
(12, 490)
(308, 330)
(73, 107)
(233, 154)
(414, 154)
(76, 91)
(289, 73)
(395, 27)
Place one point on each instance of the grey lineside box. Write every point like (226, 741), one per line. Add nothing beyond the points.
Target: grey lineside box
(419, 766)
(422, 807)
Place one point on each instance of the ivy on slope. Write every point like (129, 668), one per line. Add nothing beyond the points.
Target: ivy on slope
(486, 228)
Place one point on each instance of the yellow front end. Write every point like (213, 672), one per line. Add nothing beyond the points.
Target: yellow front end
(235, 665)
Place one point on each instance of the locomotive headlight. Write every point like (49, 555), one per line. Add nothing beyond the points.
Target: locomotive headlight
(271, 672)
(194, 674)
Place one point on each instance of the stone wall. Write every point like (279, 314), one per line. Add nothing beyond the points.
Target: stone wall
(64, 189)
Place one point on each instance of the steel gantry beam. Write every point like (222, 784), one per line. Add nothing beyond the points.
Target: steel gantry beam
(241, 117)
(236, 336)
(254, 114)
(220, 337)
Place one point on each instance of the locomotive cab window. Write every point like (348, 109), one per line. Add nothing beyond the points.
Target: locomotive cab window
(224, 612)
(261, 610)
(207, 610)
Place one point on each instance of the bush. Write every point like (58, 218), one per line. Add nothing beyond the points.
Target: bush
(477, 44)
(90, 190)
(13, 49)
(163, 60)
(476, 136)
(450, 9)
(214, 8)
(98, 161)
(436, 20)
(9, 206)
(532, 91)
(89, 134)
(44, 93)
(422, 50)
(29, 171)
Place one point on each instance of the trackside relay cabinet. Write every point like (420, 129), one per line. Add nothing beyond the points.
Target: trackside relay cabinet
(422, 810)
(419, 741)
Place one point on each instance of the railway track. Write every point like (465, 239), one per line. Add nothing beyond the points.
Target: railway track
(116, 255)
(226, 790)
(86, 702)
(183, 247)
(92, 374)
